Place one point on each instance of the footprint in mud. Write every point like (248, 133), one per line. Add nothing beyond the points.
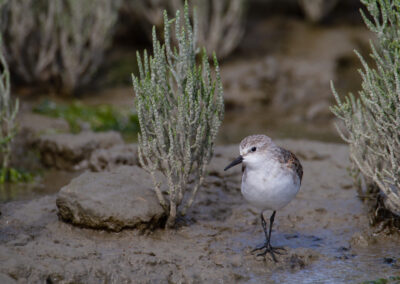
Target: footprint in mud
(296, 261)
(345, 253)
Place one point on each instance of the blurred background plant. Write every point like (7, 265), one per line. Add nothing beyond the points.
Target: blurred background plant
(316, 10)
(220, 23)
(8, 128)
(85, 32)
(372, 121)
(101, 117)
(31, 23)
(66, 39)
(180, 108)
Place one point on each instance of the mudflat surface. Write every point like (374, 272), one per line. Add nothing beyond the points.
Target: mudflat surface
(324, 230)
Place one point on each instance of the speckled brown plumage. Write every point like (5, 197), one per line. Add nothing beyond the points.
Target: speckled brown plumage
(290, 160)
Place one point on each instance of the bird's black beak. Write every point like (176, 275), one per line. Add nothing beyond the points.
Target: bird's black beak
(238, 160)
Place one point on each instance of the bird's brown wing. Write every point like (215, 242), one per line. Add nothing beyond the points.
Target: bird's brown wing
(291, 161)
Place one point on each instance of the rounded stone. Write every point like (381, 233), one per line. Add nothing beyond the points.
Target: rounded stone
(121, 198)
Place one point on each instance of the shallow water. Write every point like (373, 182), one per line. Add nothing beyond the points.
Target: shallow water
(350, 269)
(48, 183)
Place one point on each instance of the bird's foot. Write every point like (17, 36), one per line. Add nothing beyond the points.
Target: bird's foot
(269, 249)
(260, 247)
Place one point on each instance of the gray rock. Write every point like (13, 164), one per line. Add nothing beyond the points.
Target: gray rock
(250, 78)
(71, 151)
(32, 125)
(121, 198)
(118, 155)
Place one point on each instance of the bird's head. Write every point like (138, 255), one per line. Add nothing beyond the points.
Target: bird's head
(253, 150)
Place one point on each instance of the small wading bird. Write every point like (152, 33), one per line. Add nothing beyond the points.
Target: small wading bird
(271, 179)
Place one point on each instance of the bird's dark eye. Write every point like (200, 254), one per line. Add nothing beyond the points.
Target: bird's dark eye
(253, 149)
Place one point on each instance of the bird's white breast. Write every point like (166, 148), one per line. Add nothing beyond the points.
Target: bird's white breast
(269, 187)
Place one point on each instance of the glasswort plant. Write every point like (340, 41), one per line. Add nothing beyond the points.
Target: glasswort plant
(8, 113)
(373, 120)
(180, 108)
(67, 39)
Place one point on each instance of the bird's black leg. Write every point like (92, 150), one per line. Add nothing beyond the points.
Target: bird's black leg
(271, 222)
(268, 248)
(264, 226)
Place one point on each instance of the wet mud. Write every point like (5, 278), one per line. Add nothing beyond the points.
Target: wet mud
(325, 232)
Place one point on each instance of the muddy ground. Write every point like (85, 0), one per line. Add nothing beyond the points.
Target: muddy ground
(324, 230)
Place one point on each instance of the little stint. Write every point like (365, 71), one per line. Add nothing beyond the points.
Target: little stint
(271, 179)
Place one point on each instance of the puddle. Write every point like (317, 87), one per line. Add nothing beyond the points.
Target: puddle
(356, 267)
(50, 183)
